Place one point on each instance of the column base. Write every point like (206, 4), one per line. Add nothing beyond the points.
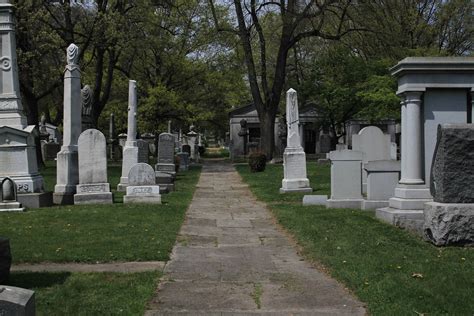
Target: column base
(405, 209)
(373, 204)
(63, 198)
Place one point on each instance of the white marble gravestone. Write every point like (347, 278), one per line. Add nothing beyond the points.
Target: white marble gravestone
(67, 163)
(434, 90)
(93, 187)
(142, 187)
(17, 141)
(374, 144)
(130, 150)
(294, 157)
(346, 179)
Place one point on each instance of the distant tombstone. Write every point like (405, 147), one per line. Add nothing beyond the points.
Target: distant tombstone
(142, 187)
(122, 138)
(374, 144)
(150, 139)
(183, 161)
(346, 179)
(8, 196)
(143, 151)
(449, 219)
(186, 149)
(325, 143)
(87, 121)
(17, 301)
(5, 260)
(165, 168)
(93, 187)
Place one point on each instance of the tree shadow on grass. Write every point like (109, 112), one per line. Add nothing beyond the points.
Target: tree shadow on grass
(37, 280)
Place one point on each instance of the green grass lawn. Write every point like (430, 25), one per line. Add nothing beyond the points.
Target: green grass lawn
(393, 271)
(89, 293)
(99, 233)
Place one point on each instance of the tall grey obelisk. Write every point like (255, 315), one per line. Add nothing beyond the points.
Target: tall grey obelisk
(67, 161)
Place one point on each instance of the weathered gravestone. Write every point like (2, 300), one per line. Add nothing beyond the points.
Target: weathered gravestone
(165, 168)
(142, 186)
(5, 260)
(450, 218)
(294, 157)
(374, 144)
(16, 301)
(346, 179)
(93, 187)
(382, 179)
(183, 161)
(8, 197)
(143, 151)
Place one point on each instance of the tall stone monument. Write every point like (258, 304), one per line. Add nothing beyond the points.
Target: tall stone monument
(294, 158)
(67, 163)
(434, 90)
(87, 120)
(130, 150)
(192, 137)
(93, 187)
(17, 139)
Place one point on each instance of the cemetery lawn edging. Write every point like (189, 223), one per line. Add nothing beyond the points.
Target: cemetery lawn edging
(391, 270)
(100, 233)
(64, 293)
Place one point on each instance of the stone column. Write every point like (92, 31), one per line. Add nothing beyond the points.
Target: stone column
(67, 159)
(294, 157)
(11, 109)
(403, 139)
(130, 150)
(412, 171)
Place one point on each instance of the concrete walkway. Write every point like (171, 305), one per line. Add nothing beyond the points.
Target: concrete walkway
(231, 259)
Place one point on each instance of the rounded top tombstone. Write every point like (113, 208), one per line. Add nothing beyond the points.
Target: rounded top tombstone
(141, 174)
(8, 190)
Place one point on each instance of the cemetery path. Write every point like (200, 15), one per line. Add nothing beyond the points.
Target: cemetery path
(232, 259)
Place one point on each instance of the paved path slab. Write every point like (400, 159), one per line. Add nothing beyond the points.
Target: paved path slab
(231, 259)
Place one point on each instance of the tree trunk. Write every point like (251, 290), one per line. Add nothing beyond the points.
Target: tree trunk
(267, 132)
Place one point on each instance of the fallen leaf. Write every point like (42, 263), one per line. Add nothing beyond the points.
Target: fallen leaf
(417, 275)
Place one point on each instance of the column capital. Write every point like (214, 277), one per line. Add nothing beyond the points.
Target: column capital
(412, 96)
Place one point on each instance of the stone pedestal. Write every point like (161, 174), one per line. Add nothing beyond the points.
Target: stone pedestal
(94, 193)
(449, 223)
(382, 179)
(143, 194)
(295, 178)
(67, 176)
(130, 158)
(11, 207)
(346, 179)
(165, 181)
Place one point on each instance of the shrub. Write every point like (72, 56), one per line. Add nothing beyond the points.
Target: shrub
(257, 161)
(201, 150)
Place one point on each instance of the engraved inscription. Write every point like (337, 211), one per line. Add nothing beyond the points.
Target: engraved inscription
(92, 188)
(142, 190)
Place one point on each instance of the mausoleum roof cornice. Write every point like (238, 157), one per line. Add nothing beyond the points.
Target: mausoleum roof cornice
(433, 65)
